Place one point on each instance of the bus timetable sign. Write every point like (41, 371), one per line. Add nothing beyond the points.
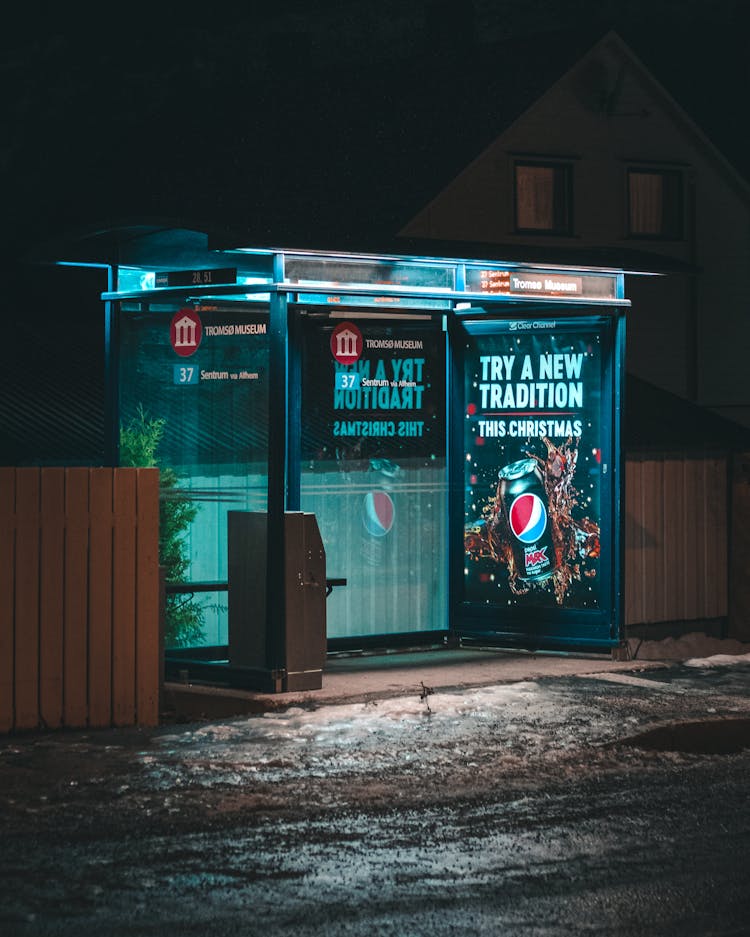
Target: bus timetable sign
(208, 277)
(540, 283)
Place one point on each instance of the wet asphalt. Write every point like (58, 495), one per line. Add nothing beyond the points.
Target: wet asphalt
(538, 807)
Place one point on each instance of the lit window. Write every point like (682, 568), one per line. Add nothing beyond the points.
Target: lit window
(655, 204)
(543, 197)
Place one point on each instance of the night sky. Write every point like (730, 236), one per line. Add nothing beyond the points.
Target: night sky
(326, 125)
(291, 123)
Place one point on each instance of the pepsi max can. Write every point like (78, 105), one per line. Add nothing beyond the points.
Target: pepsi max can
(524, 503)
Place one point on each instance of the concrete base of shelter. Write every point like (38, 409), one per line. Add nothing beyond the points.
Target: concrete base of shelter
(360, 678)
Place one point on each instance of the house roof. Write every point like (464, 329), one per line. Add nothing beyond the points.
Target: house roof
(657, 421)
(600, 86)
(105, 245)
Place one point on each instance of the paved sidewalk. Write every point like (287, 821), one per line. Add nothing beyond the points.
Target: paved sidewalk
(359, 678)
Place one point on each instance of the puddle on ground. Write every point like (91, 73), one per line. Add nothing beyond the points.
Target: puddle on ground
(703, 737)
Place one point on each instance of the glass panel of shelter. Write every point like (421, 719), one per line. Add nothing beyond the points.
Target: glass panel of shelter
(193, 398)
(373, 467)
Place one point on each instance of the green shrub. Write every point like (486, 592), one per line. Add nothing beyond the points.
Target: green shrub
(139, 444)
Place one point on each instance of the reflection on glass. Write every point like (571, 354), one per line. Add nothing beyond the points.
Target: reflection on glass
(374, 471)
(194, 391)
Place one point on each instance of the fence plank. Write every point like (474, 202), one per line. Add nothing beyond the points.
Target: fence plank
(628, 582)
(633, 543)
(653, 540)
(716, 538)
(123, 598)
(694, 562)
(739, 592)
(100, 598)
(674, 540)
(26, 632)
(75, 605)
(641, 548)
(51, 558)
(7, 594)
(148, 645)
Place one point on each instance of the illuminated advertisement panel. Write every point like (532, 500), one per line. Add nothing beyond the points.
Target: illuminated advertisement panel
(537, 453)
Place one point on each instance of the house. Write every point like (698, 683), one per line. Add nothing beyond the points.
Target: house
(606, 167)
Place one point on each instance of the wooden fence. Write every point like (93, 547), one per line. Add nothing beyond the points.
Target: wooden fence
(79, 597)
(676, 539)
(739, 561)
(79, 579)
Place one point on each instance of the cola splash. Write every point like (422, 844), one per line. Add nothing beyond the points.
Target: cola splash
(575, 539)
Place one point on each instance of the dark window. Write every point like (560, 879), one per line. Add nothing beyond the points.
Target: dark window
(543, 197)
(655, 204)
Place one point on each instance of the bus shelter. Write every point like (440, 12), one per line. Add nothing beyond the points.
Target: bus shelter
(452, 424)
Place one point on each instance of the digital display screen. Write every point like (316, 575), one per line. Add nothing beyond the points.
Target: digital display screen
(208, 277)
(539, 283)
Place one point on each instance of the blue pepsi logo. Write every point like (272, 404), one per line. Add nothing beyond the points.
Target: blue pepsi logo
(528, 517)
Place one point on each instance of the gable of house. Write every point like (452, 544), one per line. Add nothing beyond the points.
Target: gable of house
(604, 118)
(606, 168)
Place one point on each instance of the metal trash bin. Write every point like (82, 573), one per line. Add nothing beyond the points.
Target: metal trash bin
(304, 619)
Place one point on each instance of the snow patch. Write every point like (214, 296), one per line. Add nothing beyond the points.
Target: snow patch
(349, 723)
(694, 645)
(718, 660)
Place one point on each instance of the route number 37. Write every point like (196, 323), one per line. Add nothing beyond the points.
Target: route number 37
(348, 380)
(184, 374)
